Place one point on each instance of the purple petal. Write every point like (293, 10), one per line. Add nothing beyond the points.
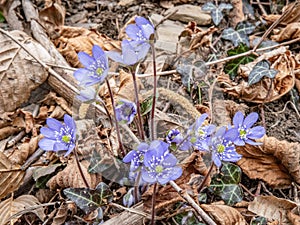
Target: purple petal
(98, 52)
(81, 74)
(169, 161)
(115, 56)
(176, 173)
(69, 121)
(60, 146)
(85, 59)
(87, 94)
(256, 132)
(239, 142)
(89, 80)
(216, 160)
(54, 124)
(149, 177)
(200, 120)
(130, 155)
(238, 119)
(129, 54)
(132, 30)
(231, 135)
(47, 144)
(48, 133)
(142, 50)
(250, 120)
(70, 149)
(250, 142)
(143, 147)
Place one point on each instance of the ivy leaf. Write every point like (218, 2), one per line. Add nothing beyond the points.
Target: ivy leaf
(225, 184)
(88, 199)
(240, 34)
(231, 67)
(216, 12)
(260, 70)
(2, 18)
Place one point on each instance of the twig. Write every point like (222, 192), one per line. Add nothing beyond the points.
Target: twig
(165, 18)
(130, 210)
(191, 201)
(131, 134)
(80, 168)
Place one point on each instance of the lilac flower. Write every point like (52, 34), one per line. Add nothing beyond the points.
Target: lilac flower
(58, 136)
(125, 111)
(96, 67)
(136, 157)
(198, 135)
(222, 147)
(132, 52)
(159, 164)
(174, 136)
(141, 30)
(87, 94)
(246, 134)
(128, 198)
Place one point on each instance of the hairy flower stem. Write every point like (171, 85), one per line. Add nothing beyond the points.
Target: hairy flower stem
(136, 187)
(153, 204)
(80, 168)
(152, 124)
(138, 107)
(116, 122)
(206, 177)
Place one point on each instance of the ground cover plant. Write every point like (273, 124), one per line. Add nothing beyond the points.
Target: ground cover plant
(163, 119)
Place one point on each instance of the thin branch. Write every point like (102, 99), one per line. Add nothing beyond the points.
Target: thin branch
(191, 201)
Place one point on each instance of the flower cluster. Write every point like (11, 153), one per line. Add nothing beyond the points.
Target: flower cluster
(59, 136)
(155, 161)
(221, 142)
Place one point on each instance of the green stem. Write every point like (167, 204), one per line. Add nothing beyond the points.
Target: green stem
(116, 122)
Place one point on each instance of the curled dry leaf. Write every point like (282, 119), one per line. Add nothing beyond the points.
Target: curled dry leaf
(9, 180)
(19, 74)
(70, 177)
(51, 98)
(272, 208)
(266, 90)
(75, 39)
(11, 209)
(21, 153)
(294, 216)
(236, 15)
(223, 214)
(63, 212)
(275, 162)
(291, 31)
(166, 195)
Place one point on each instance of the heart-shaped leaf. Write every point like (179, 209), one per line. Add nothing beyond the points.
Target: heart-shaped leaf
(240, 34)
(260, 70)
(216, 12)
(232, 66)
(88, 199)
(225, 184)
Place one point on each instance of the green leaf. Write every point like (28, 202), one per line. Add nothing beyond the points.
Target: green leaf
(259, 221)
(146, 105)
(232, 66)
(225, 184)
(2, 18)
(88, 199)
(260, 70)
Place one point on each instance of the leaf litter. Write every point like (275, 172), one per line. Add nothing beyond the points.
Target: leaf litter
(275, 162)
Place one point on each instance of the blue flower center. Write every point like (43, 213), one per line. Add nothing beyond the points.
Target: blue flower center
(66, 138)
(221, 148)
(159, 169)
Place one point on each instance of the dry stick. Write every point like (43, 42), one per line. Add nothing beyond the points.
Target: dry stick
(276, 22)
(115, 115)
(165, 18)
(191, 201)
(80, 168)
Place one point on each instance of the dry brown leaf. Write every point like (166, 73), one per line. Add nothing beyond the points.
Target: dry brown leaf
(70, 177)
(75, 39)
(291, 17)
(63, 212)
(291, 31)
(9, 181)
(12, 209)
(282, 60)
(167, 195)
(21, 153)
(294, 216)
(7, 131)
(19, 74)
(51, 98)
(224, 214)
(236, 15)
(275, 162)
(272, 208)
